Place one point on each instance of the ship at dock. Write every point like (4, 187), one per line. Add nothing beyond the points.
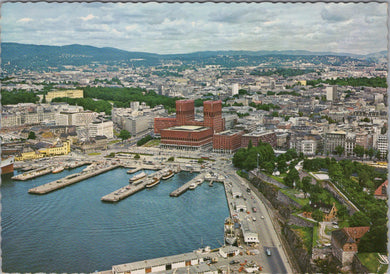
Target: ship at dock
(137, 177)
(168, 175)
(154, 182)
(229, 235)
(7, 165)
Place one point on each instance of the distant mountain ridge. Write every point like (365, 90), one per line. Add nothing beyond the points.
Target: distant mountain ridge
(30, 56)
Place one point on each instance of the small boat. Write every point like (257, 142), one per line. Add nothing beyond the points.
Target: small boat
(154, 182)
(168, 175)
(193, 186)
(58, 169)
(138, 176)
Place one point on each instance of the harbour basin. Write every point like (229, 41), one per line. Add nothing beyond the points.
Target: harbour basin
(71, 230)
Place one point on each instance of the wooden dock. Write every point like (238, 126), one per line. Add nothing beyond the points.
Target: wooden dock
(185, 187)
(70, 179)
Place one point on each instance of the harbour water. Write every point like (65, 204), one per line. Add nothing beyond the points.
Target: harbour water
(71, 230)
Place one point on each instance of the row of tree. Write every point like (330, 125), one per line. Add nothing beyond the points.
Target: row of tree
(351, 81)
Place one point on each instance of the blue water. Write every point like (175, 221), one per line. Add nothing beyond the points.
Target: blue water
(71, 230)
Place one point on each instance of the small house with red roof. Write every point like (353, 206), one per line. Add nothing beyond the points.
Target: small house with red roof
(381, 191)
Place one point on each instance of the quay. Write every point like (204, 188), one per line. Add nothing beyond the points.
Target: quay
(32, 174)
(186, 186)
(71, 179)
(130, 189)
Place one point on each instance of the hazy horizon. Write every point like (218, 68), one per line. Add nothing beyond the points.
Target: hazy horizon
(178, 28)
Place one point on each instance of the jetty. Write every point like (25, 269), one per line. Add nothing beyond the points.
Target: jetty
(71, 179)
(186, 186)
(124, 192)
(32, 174)
(132, 188)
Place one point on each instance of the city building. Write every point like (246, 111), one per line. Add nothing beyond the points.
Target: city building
(331, 93)
(332, 140)
(227, 141)
(382, 144)
(184, 132)
(187, 137)
(257, 136)
(101, 128)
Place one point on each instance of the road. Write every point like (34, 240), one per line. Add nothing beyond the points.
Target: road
(277, 262)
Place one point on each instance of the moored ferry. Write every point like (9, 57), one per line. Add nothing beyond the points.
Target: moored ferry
(7, 165)
(168, 175)
(154, 182)
(138, 177)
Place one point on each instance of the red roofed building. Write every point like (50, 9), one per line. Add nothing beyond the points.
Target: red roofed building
(381, 191)
(345, 243)
(184, 132)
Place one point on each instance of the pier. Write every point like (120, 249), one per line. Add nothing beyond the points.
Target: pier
(130, 189)
(32, 174)
(124, 192)
(71, 179)
(186, 186)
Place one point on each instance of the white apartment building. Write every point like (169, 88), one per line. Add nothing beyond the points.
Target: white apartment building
(10, 120)
(331, 93)
(104, 128)
(382, 144)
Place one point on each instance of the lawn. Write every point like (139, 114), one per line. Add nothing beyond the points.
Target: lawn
(315, 234)
(278, 178)
(152, 143)
(94, 153)
(290, 193)
(114, 142)
(371, 261)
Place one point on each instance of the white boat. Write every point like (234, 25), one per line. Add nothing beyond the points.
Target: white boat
(168, 175)
(193, 186)
(154, 182)
(230, 237)
(58, 169)
(138, 177)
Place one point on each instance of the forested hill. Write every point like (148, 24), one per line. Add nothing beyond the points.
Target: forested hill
(41, 58)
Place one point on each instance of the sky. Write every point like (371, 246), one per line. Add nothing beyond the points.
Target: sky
(183, 28)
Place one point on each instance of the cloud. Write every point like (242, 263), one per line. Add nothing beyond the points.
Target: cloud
(25, 20)
(333, 16)
(88, 17)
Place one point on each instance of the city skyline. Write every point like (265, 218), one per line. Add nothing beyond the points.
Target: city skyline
(184, 28)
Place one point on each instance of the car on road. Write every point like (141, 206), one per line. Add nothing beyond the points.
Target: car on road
(254, 219)
(268, 252)
(234, 262)
(254, 209)
(262, 217)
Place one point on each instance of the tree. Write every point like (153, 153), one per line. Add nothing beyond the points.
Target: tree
(171, 159)
(250, 144)
(31, 135)
(124, 135)
(359, 219)
(374, 240)
(359, 150)
(318, 215)
(136, 156)
(292, 176)
(339, 150)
